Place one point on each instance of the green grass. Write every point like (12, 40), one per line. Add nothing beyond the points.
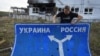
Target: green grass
(95, 39)
(2, 13)
(7, 33)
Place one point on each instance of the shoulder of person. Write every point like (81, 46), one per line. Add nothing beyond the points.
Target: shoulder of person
(60, 13)
(74, 14)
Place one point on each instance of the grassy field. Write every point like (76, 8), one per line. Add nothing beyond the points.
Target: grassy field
(7, 35)
(3, 13)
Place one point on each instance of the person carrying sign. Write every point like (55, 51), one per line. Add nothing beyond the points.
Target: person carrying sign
(67, 16)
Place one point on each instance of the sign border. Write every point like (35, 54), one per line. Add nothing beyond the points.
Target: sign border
(88, 39)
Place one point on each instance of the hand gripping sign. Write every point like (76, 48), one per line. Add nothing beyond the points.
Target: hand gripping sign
(51, 40)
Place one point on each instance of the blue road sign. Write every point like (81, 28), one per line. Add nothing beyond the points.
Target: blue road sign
(51, 40)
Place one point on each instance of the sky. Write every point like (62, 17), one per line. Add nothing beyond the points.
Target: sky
(6, 4)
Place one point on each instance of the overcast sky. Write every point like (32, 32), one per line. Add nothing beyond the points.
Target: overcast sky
(6, 4)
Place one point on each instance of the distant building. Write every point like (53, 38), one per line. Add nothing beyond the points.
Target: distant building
(89, 9)
(41, 7)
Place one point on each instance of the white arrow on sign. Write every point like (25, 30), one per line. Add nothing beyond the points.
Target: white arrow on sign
(60, 42)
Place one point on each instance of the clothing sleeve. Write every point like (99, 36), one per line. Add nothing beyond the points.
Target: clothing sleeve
(58, 15)
(75, 15)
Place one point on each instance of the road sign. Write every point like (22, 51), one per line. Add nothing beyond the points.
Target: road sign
(51, 40)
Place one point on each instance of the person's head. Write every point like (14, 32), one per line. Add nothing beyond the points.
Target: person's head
(66, 9)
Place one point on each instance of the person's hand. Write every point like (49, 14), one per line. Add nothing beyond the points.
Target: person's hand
(73, 22)
(54, 22)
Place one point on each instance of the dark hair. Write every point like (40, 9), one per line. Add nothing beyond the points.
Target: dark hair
(67, 7)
